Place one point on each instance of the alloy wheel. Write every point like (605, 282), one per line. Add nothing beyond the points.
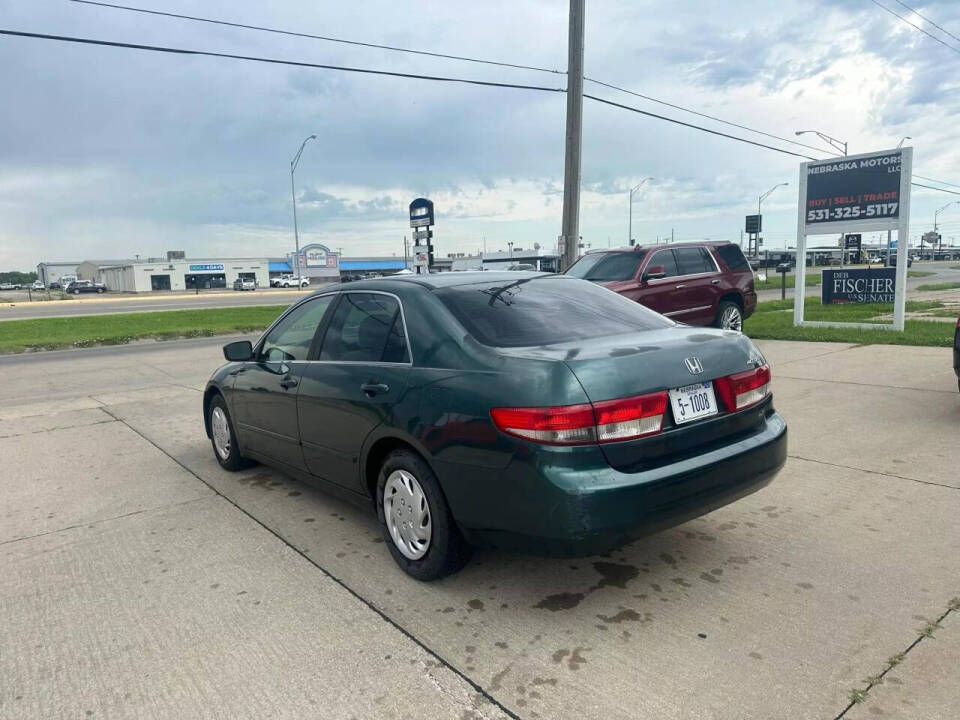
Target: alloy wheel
(732, 319)
(407, 514)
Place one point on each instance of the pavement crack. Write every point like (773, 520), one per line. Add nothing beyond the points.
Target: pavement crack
(90, 523)
(863, 384)
(875, 472)
(479, 689)
(858, 695)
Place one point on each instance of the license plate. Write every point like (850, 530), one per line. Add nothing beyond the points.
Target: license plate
(693, 402)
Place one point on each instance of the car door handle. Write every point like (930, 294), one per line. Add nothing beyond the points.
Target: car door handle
(289, 382)
(715, 282)
(373, 388)
(680, 287)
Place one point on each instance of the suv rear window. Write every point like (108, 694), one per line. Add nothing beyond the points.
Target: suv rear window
(607, 266)
(693, 260)
(733, 257)
(544, 311)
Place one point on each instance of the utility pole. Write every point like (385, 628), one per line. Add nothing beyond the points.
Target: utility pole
(293, 194)
(571, 172)
(405, 263)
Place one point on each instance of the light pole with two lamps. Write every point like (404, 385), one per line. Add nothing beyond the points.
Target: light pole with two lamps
(832, 141)
(760, 200)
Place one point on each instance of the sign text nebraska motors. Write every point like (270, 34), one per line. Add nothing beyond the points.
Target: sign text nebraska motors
(866, 188)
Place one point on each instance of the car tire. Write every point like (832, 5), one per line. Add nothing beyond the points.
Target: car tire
(99, 290)
(445, 550)
(76, 292)
(223, 438)
(729, 316)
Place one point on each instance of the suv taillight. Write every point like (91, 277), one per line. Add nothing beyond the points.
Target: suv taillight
(744, 389)
(600, 422)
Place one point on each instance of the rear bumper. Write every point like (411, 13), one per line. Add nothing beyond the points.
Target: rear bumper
(566, 509)
(956, 351)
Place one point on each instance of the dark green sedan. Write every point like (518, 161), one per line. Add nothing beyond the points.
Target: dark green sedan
(501, 409)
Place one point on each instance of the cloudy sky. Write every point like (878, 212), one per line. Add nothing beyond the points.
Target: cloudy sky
(108, 153)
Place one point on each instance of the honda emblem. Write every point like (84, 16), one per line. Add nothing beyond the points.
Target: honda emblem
(693, 365)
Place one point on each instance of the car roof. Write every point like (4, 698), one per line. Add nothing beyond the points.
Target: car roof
(660, 246)
(434, 281)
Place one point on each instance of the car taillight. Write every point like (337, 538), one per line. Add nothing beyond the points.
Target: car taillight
(629, 418)
(606, 421)
(744, 389)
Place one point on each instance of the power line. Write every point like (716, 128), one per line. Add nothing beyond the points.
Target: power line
(343, 41)
(275, 61)
(696, 127)
(916, 27)
(703, 115)
(413, 76)
(942, 182)
(915, 12)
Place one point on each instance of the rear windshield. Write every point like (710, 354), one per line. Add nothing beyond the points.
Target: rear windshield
(607, 266)
(544, 311)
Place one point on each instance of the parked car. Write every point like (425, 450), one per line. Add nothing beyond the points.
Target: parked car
(84, 286)
(294, 282)
(709, 283)
(522, 266)
(37, 285)
(244, 284)
(9, 286)
(893, 260)
(956, 352)
(65, 281)
(500, 409)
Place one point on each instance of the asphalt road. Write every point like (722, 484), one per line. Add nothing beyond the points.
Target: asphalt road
(138, 579)
(14, 305)
(14, 308)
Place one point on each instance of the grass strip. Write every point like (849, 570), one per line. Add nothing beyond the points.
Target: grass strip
(938, 286)
(89, 330)
(774, 321)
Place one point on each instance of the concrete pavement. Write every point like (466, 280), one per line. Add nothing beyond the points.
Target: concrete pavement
(131, 565)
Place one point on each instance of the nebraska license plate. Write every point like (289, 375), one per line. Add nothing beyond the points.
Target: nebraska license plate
(693, 402)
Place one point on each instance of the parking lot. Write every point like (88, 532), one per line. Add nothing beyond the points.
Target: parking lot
(139, 578)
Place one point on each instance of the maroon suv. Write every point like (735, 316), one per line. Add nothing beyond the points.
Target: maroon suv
(708, 283)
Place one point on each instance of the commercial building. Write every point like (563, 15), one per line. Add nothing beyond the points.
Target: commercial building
(192, 274)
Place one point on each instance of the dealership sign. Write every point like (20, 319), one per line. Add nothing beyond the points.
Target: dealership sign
(848, 196)
(205, 268)
(858, 286)
(317, 256)
(845, 191)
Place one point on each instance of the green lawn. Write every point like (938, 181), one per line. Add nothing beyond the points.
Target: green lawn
(774, 321)
(939, 286)
(84, 331)
(919, 273)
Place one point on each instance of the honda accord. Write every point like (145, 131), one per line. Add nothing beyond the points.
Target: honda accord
(510, 410)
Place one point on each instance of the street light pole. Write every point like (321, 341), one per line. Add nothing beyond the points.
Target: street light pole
(832, 141)
(760, 200)
(630, 226)
(293, 194)
(900, 144)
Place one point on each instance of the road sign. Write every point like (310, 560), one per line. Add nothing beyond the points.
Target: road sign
(754, 224)
(421, 213)
(853, 241)
(931, 238)
(423, 234)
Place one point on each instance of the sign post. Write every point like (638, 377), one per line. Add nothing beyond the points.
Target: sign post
(753, 227)
(856, 193)
(421, 220)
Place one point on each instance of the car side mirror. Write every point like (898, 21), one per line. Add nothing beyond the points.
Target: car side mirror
(238, 351)
(655, 272)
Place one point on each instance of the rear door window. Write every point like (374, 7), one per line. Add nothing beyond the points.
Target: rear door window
(692, 261)
(545, 311)
(733, 257)
(366, 327)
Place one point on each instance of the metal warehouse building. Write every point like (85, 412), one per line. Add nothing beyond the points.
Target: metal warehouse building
(202, 273)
